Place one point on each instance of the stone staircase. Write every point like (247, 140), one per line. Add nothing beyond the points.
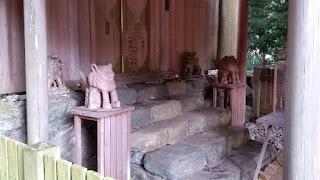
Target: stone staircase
(176, 134)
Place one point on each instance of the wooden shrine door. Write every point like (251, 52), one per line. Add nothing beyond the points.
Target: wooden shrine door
(119, 34)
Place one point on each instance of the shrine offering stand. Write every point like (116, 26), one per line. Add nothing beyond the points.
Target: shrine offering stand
(113, 139)
(237, 111)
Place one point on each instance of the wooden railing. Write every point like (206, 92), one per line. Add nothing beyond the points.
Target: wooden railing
(39, 162)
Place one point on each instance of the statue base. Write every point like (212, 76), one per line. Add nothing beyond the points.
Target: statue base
(59, 92)
(84, 108)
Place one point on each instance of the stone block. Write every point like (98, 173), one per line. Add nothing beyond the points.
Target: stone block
(214, 146)
(13, 121)
(237, 135)
(196, 122)
(176, 88)
(147, 92)
(216, 116)
(165, 109)
(158, 135)
(197, 86)
(136, 157)
(127, 95)
(140, 117)
(174, 161)
(139, 173)
(215, 174)
(190, 102)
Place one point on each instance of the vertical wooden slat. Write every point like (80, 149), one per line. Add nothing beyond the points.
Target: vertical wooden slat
(63, 170)
(129, 144)
(3, 158)
(164, 42)
(91, 175)
(20, 149)
(179, 35)
(77, 129)
(78, 172)
(50, 167)
(154, 49)
(73, 20)
(120, 148)
(107, 149)
(256, 91)
(101, 146)
(93, 31)
(125, 148)
(113, 145)
(12, 159)
(84, 36)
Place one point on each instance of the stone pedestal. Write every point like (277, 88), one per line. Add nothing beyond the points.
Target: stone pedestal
(113, 139)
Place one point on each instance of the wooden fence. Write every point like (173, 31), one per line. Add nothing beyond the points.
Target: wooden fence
(269, 89)
(39, 162)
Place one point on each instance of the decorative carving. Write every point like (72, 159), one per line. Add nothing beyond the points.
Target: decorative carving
(191, 65)
(101, 83)
(228, 70)
(55, 82)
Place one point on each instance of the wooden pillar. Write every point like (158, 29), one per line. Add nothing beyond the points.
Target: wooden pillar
(302, 114)
(239, 95)
(36, 70)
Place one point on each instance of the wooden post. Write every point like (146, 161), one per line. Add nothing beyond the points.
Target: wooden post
(36, 70)
(302, 127)
(33, 160)
(239, 97)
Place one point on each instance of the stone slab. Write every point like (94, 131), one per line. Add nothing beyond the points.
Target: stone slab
(147, 92)
(158, 135)
(176, 87)
(127, 96)
(216, 117)
(174, 161)
(139, 173)
(165, 109)
(140, 117)
(215, 146)
(190, 102)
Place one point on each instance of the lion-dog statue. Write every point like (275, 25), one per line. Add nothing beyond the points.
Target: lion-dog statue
(101, 83)
(55, 82)
(191, 67)
(228, 70)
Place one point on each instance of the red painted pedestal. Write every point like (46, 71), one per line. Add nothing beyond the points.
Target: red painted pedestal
(113, 139)
(237, 102)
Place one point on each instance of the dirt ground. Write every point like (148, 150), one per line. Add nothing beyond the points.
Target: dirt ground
(275, 168)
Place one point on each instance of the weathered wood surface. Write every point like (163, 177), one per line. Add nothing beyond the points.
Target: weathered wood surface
(113, 140)
(236, 101)
(302, 127)
(38, 162)
(36, 70)
(86, 31)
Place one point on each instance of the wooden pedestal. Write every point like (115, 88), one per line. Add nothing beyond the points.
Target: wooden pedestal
(113, 140)
(237, 102)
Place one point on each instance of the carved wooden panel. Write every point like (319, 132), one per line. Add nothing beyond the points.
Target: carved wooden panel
(135, 40)
(105, 32)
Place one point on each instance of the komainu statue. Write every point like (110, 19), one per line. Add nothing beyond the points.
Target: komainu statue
(100, 83)
(191, 67)
(228, 70)
(55, 82)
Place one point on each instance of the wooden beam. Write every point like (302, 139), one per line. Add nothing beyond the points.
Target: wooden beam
(302, 127)
(35, 33)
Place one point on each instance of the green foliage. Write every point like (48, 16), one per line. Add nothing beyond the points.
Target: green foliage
(267, 30)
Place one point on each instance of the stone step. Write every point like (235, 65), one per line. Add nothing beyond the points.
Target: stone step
(154, 111)
(174, 161)
(190, 102)
(215, 143)
(176, 129)
(240, 165)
